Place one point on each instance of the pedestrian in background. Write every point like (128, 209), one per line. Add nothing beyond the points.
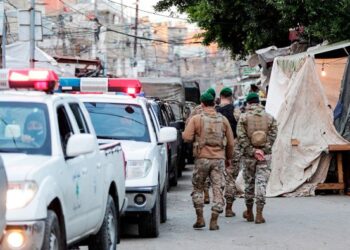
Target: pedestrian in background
(226, 108)
(213, 143)
(257, 131)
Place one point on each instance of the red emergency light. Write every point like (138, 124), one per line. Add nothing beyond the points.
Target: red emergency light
(125, 85)
(38, 79)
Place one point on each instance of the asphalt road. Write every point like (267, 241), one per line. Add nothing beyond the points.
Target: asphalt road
(321, 222)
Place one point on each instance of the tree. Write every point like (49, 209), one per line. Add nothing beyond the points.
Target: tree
(243, 26)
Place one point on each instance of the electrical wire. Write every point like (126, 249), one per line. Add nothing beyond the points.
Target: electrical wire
(149, 12)
(130, 35)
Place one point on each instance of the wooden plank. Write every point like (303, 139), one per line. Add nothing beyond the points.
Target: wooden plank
(334, 147)
(340, 167)
(330, 186)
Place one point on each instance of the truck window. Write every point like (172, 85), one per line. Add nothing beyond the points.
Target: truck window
(79, 117)
(64, 126)
(24, 128)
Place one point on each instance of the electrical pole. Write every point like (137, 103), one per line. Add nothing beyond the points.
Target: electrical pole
(94, 45)
(123, 44)
(136, 27)
(3, 39)
(32, 35)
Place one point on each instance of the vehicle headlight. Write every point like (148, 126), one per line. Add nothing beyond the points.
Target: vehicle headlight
(19, 194)
(138, 169)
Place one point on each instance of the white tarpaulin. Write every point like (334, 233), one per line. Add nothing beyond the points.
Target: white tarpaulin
(17, 56)
(298, 101)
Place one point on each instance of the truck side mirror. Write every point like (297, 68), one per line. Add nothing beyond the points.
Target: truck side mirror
(79, 144)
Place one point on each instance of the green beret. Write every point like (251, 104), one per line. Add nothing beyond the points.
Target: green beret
(207, 97)
(226, 91)
(252, 96)
(211, 91)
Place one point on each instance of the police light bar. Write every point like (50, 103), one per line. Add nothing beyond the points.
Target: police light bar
(38, 79)
(100, 85)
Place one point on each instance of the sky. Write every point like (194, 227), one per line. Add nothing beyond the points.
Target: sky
(147, 5)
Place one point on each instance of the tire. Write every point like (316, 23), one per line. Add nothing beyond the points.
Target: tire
(163, 206)
(149, 223)
(53, 238)
(107, 236)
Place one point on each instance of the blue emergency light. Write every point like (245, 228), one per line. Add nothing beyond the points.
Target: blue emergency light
(69, 84)
(100, 85)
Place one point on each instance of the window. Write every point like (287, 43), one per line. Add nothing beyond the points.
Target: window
(118, 121)
(64, 126)
(24, 128)
(150, 112)
(79, 117)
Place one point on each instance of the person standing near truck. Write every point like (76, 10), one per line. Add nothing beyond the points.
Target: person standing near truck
(226, 108)
(199, 110)
(213, 143)
(257, 131)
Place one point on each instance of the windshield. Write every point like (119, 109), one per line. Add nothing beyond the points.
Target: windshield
(118, 121)
(24, 128)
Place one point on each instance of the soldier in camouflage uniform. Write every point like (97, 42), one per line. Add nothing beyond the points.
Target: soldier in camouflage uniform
(257, 132)
(199, 110)
(213, 143)
(232, 169)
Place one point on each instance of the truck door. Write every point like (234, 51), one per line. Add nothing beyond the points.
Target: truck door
(94, 186)
(71, 178)
(162, 154)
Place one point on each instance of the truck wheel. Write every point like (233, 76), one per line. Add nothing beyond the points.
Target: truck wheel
(149, 223)
(53, 239)
(106, 238)
(163, 205)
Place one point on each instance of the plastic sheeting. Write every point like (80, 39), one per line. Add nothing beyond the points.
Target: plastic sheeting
(303, 115)
(166, 88)
(17, 56)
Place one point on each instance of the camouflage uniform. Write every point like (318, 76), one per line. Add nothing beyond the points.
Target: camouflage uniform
(256, 174)
(211, 153)
(231, 174)
(196, 111)
(212, 168)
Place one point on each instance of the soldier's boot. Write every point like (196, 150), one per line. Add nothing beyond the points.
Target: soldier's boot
(228, 211)
(259, 215)
(248, 214)
(206, 196)
(214, 221)
(200, 219)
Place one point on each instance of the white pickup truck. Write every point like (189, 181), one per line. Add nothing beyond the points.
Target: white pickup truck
(133, 122)
(63, 187)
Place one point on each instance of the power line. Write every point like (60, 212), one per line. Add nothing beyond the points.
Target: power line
(149, 12)
(129, 35)
(149, 39)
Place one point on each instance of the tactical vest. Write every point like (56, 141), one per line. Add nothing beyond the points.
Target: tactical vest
(212, 131)
(257, 129)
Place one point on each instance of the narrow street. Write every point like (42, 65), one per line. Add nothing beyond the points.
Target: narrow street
(319, 222)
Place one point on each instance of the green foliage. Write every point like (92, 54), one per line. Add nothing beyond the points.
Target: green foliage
(243, 26)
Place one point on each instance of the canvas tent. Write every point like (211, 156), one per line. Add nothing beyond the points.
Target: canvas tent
(17, 56)
(299, 100)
